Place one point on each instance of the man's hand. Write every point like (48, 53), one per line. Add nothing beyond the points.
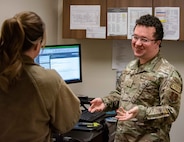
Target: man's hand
(96, 105)
(124, 115)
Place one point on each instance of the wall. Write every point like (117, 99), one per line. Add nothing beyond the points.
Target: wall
(173, 51)
(98, 77)
(47, 9)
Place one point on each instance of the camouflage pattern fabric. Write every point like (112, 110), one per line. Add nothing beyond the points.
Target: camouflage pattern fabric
(155, 87)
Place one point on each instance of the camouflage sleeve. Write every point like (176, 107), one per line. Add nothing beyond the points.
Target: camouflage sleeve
(112, 100)
(170, 97)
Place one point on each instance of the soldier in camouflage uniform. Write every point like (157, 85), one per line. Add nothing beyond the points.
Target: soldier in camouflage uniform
(147, 98)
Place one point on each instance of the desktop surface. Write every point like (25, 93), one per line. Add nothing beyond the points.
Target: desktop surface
(85, 136)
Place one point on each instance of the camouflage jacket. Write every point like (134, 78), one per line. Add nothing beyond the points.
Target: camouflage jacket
(155, 87)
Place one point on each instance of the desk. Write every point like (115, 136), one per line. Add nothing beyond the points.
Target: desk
(112, 128)
(104, 135)
(85, 136)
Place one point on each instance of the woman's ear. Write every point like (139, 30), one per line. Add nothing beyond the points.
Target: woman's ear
(37, 46)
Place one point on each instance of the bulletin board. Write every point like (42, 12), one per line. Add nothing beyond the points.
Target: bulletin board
(105, 5)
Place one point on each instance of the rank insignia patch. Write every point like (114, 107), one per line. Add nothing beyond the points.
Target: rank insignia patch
(176, 87)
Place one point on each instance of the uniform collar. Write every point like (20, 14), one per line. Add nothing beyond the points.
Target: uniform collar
(148, 66)
(28, 60)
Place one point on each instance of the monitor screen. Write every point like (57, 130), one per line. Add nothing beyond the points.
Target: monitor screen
(65, 59)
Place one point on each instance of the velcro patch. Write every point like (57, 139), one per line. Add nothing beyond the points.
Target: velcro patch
(176, 87)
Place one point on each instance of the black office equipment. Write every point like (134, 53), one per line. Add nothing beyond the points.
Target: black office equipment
(65, 59)
(87, 116)
(88, 126)
(85, 99)
(85, 136)
(91, 117)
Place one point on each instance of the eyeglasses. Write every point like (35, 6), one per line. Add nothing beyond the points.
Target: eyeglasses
(142, 39)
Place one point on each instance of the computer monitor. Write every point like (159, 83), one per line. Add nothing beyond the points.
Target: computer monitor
(65, 59)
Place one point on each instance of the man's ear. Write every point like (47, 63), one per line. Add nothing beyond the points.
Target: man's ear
(158, 42)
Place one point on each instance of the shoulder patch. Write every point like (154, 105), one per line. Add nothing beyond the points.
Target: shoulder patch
(176, 87)
(173, 97)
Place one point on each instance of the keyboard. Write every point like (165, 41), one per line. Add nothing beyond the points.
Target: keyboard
(87, 116)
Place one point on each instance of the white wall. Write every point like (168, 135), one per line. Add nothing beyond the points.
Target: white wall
(174, 52)
(98, 76)
(47, 9)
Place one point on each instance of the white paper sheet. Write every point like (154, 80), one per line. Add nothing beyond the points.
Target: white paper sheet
(134, 13)
(121, 54)
(170, 18)
(83, 16)
(117, 22)
(96, 32)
